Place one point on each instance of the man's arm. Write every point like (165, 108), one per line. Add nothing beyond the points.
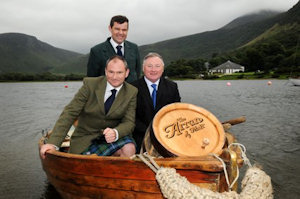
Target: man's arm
(68, 116)
(45, 148)
(138, 64)
(92, 66)
(176, 96)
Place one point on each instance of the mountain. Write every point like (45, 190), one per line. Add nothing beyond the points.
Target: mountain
(25, 53)
(75, 66)
(231, 36)
(277, 48)
(249, 18)
(204, 45)
(291, 16)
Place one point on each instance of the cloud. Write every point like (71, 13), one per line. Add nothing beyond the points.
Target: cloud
(79, 25)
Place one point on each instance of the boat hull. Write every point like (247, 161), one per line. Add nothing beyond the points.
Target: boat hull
(83, 176)
(92, 176)
(109, 177)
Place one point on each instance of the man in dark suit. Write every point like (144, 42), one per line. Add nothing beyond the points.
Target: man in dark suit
(116, 44)
(101, 129)
(154, 92)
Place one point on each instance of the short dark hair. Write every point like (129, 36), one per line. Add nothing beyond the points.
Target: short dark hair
(119, 19)
(117, 57)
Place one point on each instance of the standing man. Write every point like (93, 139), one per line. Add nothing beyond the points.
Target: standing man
(105, 108)
(154, 92)
(116, 44)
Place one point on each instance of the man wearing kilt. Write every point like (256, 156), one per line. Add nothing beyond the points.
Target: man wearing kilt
(105, 109)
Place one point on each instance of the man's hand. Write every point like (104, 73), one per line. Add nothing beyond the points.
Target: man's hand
(46, 147)
(110, 135)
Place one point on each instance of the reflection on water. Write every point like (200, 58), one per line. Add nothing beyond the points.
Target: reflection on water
(270, 134)
(50, 192)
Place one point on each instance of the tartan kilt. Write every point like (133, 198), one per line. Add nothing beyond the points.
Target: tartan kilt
(100, 147)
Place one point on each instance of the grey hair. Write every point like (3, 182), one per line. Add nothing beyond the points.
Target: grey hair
(153, 54)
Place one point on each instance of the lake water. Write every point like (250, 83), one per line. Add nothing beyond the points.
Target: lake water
(271, 133)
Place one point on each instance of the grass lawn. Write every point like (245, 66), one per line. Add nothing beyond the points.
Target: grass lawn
(251, 75)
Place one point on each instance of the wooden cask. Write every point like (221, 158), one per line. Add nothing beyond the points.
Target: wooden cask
(182, 129)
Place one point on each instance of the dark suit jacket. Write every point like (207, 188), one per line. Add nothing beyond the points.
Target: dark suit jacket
(167, 93)
(100, 53)
(88, 106)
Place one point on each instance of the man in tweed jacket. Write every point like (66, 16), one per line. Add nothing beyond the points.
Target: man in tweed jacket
(88, 107)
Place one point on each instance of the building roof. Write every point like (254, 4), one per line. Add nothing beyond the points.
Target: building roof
(228, 65)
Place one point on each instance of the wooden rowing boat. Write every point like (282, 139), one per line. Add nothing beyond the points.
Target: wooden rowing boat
(90, 176)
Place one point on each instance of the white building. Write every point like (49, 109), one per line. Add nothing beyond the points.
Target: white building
(227, 68)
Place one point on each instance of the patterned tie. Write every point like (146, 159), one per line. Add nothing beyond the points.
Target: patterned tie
(110, 100)
(119, 52)
(154, 94)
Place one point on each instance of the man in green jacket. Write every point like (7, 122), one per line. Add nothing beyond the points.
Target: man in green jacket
(100, 130)
(116, 44)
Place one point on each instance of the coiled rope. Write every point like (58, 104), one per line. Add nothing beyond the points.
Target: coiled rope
(255, 184)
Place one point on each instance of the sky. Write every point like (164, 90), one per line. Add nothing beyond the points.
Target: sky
(78, 25)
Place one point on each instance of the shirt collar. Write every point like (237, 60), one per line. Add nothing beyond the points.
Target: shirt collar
(109, 87)
(150, 83)
(114, 44)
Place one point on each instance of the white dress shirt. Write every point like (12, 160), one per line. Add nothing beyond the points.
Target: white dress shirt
(114, 45)
(149, 83)
(108, 89)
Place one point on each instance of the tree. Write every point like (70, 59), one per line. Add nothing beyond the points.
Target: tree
(253, 60)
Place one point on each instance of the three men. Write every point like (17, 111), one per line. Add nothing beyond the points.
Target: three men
(103, 130)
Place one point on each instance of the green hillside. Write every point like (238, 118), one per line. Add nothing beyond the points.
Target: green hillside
(261, 41)
(276, 49)
(24, 53)
(206, 44)
(75, 66)
(201, 45)
(250, 18)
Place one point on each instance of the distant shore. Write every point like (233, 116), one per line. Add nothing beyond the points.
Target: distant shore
(47, 76)
(236, 76)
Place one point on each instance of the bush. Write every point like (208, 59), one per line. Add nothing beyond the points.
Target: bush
(275, 75)
(210, 77)
(240, 76)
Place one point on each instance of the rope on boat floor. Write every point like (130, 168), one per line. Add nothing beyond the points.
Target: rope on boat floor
(255, 184)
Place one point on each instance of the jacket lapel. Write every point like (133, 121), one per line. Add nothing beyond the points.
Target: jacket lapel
(100, 94)
(127, 50)
(160, 93)
(146, 93)
(108, 50)
(118, 100)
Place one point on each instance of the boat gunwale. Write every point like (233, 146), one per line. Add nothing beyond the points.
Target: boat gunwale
(184, 163)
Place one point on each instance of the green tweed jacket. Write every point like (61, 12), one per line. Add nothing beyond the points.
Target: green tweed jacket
(88, 107)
